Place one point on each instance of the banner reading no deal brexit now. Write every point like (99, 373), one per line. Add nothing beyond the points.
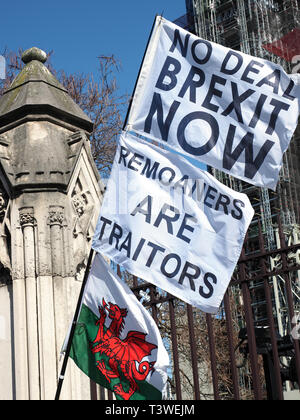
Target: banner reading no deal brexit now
(232, 111)
(171, 224)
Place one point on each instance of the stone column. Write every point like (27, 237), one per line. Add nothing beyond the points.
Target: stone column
(19, 310)
(27, 223)
(47, 339)
(56, 219)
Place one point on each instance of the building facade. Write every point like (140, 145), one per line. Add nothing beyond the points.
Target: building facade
(50, 195)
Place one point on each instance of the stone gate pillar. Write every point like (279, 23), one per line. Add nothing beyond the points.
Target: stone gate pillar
(50, 196)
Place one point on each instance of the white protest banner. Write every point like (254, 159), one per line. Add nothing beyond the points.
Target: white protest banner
(171, 224)
(232, 111)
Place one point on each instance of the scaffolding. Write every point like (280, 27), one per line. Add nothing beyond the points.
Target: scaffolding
(249, 25)
(253, 26)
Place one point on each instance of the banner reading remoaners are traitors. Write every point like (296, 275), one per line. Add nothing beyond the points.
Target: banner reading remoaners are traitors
(172, 224)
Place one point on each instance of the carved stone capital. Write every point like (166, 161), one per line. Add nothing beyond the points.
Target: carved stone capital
(26, 216)
(56, 215)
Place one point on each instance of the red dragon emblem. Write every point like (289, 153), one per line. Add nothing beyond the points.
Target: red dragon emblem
(124, 354)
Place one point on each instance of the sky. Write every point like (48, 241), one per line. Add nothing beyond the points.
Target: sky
(80, 31)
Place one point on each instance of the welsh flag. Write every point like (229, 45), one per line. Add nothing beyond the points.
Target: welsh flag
(116, 341)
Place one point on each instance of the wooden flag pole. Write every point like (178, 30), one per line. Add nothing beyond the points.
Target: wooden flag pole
(74, 323)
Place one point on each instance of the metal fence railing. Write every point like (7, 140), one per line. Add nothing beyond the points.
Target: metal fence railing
(250, 349)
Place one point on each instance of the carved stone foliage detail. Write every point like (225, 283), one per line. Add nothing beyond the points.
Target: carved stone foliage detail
(83, 206)
(3, 205)
(80, 203)
(5, 239)
(56, 215)
(83, 210)
(26, 216)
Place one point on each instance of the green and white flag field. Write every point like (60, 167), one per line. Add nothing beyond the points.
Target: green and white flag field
(116, 341)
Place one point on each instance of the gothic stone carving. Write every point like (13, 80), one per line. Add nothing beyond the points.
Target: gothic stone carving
(56, 215)
(5, 263)
(3, 205)
(84, 209)
(26, 216)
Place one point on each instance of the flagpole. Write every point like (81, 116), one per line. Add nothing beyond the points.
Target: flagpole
(74, 323)
(138, 76)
